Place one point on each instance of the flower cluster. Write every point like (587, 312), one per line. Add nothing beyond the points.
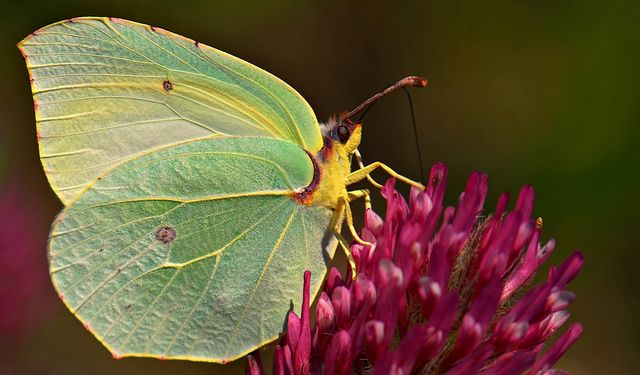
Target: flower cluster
(439, 292)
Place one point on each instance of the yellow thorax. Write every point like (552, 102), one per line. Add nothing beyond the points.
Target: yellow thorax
(335, 163)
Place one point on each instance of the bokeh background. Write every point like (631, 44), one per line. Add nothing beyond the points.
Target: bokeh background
(546, 93)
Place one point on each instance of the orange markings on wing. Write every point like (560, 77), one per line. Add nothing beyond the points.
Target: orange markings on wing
(304, 195)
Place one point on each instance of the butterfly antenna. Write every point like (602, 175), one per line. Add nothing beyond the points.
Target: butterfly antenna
(415, 135)
(411, 81)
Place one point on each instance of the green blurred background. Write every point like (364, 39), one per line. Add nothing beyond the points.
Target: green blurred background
(546, 93)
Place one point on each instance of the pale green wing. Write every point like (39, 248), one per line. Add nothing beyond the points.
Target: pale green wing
(200, 257)
(107, 89)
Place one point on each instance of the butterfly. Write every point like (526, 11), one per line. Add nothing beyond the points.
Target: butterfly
(197, 188)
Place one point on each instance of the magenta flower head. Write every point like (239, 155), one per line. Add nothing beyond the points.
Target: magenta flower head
(440, 291)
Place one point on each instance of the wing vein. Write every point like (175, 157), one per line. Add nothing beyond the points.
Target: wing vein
(144, 315)
(97, 130)
(195, 306)
(264, 270)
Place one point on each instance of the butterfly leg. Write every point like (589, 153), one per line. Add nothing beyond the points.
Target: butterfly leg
(362, 173)
(347, 252)
(357, 194)
(361, 165)
(352, 229)
(336, 224)
(343, 211)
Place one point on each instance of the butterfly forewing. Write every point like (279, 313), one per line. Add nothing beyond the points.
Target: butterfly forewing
(106, 90)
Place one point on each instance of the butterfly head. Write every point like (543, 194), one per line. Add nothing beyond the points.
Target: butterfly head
(341, 137)
(344, 131)
(341, 134)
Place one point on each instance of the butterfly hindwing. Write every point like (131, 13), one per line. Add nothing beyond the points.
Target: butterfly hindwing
(200, 257)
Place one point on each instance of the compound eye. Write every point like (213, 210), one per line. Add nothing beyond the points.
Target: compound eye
(343, 133)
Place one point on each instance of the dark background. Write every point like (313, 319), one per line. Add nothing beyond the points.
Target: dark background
(545, 93)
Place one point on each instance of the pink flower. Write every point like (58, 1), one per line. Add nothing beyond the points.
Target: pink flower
(436, 293)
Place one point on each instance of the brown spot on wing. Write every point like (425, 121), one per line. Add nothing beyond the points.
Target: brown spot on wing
(166, 234)
(167, 85)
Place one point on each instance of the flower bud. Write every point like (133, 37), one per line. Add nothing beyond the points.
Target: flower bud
(557, 350)
(324, 314)
(278, 361)
(364, 292)
(334, 279)
(561, 276)
(559, 300)
(374, 339)
(293, 330)
(338, 358)
(254, 367)
(341, 301)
